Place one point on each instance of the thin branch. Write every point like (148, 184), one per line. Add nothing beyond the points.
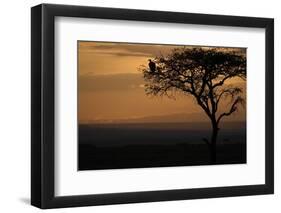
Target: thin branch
(232, 109)
(220, 83)
(227, 91)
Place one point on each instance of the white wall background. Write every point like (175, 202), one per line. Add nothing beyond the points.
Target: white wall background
(15, 106)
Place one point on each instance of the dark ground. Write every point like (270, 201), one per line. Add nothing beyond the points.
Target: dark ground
(144, 145)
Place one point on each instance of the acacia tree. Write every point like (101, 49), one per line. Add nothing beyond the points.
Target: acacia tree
(201, 73)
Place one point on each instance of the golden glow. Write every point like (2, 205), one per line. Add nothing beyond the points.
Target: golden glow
(111, 88)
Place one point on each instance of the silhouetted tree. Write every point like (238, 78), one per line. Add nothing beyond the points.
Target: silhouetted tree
(201, 73)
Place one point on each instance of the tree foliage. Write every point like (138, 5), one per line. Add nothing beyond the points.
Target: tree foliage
(201, 73)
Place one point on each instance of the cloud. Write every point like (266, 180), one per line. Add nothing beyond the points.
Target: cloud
(125, 54)
(112, 82)
(139, 49)
(125, 49)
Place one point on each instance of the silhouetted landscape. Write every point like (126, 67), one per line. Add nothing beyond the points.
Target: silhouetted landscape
(159, 105)
(115, 146)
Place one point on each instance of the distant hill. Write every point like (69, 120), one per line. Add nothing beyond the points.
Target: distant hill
(170, 118)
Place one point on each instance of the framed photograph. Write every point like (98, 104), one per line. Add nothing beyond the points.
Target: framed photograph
(139, 106)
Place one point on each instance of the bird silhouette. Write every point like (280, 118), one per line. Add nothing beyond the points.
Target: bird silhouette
(152, 65)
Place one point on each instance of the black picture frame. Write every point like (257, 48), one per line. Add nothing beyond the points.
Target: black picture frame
(43, 117)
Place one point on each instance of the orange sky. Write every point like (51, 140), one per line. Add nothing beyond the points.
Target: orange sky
(111, 88)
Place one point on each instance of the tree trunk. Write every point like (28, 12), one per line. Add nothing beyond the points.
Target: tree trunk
(213, 145)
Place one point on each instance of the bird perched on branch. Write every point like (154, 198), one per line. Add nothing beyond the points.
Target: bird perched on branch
(152, 65)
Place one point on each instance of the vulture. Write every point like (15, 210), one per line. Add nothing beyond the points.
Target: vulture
(152, 65)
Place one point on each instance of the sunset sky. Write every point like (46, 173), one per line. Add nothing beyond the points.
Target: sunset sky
(111, 87)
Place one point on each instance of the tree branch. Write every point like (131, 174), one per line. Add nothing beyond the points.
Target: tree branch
(232, 109)
(227, 91)
(220, 83)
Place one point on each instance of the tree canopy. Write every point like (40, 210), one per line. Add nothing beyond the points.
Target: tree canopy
(201, 73)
